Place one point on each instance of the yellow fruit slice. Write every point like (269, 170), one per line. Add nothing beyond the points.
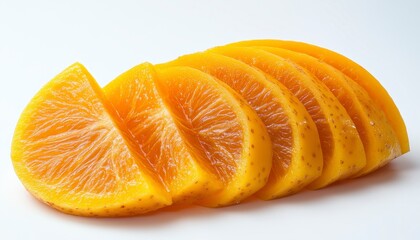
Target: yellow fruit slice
(263, 117)
(297, 156)
(139, 104)
(336, 130)
(222, 129)
(376, 91)
(379, 140)
(70, 152)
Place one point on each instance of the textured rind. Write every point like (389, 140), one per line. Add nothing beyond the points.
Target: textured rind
(242, 153)
(357, 73)
(207, 133)
(59, 163)
(370, 121)
(291, 129)
(337, 131)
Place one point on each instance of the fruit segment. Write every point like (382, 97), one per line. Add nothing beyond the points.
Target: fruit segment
(140, 106)
(265, 117)
(379, 140)
(337, 131)
(221, 128)
(377, 93)
(297, 156)
(70, 152)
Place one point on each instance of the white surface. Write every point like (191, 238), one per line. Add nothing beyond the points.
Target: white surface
(38, 39)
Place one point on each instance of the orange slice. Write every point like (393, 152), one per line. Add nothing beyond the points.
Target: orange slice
(221, 128)
(263, 117)
(376, 91)
(297, 156)
(70, 152)
(379, 140)
(336, 130)
(138, 102)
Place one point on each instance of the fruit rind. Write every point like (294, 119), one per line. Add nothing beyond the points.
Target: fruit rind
(289, 114)
(337, 132)
(255, 158)
(356, 72)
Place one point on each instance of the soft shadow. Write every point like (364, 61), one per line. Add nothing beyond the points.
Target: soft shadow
(171, 215)
(389, 173)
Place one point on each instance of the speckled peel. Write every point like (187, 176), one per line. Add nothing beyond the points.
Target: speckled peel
(292, 132)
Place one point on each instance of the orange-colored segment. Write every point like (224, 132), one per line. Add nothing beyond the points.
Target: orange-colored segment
(361, 76)
(263, 117)
(221, 128)
(135, 95)
(71, 152)
(336, 130)
(379, 140)
(291, 129)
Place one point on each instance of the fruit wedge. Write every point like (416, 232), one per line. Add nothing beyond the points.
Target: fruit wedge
(265, 117)
(379, 140)
(70, 152)
(376, 91)
(336, 130)
(297, 156)
(140, 106)
(221, 128)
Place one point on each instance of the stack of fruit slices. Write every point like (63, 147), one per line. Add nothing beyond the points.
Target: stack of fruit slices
(265, 118)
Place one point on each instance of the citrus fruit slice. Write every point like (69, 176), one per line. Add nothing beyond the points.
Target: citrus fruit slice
(336, 130)
(70, 151)
(297, 156)
(140, 106)
(379, 140)
(376, 91)
(222, 129)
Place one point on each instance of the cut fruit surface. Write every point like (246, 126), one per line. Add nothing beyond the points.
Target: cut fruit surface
(297, 156)
(379, 140)
(376, 91)
(221, 128)
(264, 118)
(337, 131)
(140, 106)
(70, 152)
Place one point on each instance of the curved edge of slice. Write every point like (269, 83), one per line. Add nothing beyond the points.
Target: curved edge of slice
(57, 179)
(356, 72)
(337, 131)
(136, 98)
(291, 129)
(218, 124)
(379, 139)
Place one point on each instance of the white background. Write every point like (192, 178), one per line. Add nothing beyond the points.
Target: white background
(38, 39)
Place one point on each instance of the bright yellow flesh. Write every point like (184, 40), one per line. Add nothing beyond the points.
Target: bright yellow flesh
(376, 91)
(222, 129)
(297, 156)
(139, 104)
(336, 130)
(70, 153)
(379, 140)
(263, 117)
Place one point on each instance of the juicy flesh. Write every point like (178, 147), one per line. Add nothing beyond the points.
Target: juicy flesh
(371, 123)
(73, 145)
(358, 74)
(247, 82)
(279, 71)
(330, 117)
(142, 110)
(277, 108)
(209, 123)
